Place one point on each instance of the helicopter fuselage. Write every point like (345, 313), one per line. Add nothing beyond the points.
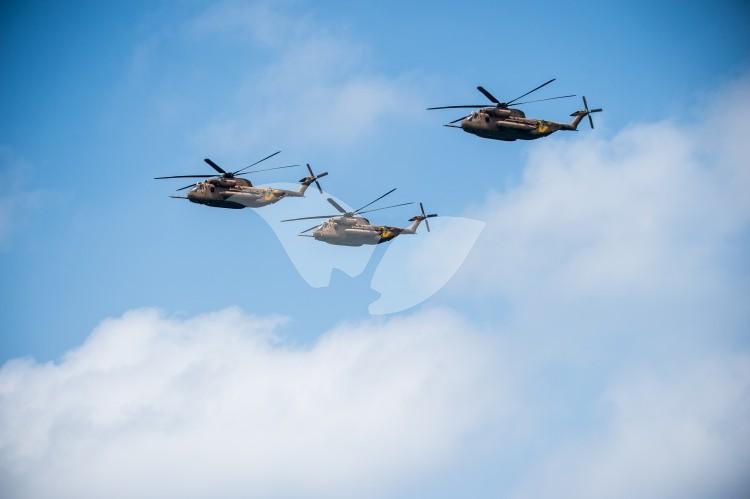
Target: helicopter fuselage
(354, 231)
(508, 124)
(237, 193)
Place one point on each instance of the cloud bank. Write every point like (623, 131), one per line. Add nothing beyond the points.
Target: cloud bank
(219, 406)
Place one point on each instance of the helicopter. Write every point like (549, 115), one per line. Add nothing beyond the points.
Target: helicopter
(501, 122)
(349, 228)
(231, 190)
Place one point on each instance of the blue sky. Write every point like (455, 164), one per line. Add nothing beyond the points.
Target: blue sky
(83, 120)
(609, 255)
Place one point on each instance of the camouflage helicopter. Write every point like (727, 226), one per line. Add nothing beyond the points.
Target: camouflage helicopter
(351, 229)
(230, 190)
(501, 122)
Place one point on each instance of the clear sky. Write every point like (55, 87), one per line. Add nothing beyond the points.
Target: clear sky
(99, 97)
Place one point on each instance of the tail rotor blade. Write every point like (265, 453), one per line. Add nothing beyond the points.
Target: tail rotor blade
(315, 178)
(426, 222)
(589, 111)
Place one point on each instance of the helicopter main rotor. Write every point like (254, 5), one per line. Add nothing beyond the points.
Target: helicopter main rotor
(345, 213)
(499, 104)
(225, 174)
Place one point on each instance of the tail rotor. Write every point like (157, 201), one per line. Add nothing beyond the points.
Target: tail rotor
(424, 217)
(313, 178)
(590, 111)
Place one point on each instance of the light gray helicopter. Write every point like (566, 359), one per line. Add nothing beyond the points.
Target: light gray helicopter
(230, 190)
(501, 122)
(351, 229)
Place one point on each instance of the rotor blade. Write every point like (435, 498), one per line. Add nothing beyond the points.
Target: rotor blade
(214, 166)
(185, 176)
(491, 97)
(178, 197)
(597, 110)
(309, 218)
(266, 170)
(464, 106)
(588, 113)
(186, 187)
(452, 126)
(542, 100)
(336, 205)
(384, 208)
(308, 230)
(315, 179)
(426, 223)
(259, 161)
(459, 119)
(530, 91)
(374, 201)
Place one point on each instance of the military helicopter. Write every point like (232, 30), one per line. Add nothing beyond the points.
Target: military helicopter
(501, 122)
(230, 190)
(351, 229)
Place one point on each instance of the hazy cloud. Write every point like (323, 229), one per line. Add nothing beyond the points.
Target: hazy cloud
(676, 432)
(318, 84)
(218, 405)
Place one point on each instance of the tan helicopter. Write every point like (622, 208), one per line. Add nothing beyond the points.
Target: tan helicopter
(230, 190)
(502, 122)
(351, 229)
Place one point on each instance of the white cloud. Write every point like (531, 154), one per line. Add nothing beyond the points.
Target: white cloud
(631, 214)
(218, 406)
(622, 264)
(680, 432)
(609, 233)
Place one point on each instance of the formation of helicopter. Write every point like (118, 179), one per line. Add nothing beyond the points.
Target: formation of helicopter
(499, 121)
